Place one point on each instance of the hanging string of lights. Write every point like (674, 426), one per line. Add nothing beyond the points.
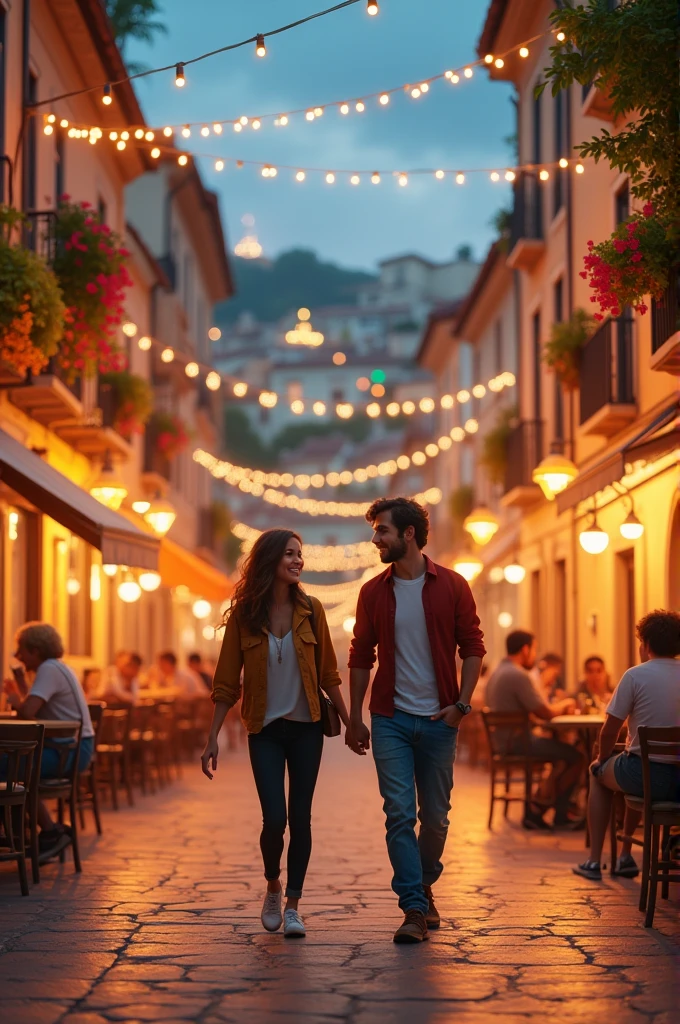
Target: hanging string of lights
(255, 481)
(239, 389)
(345, 509)
(179, 66)
(318, 557)
(378, 100)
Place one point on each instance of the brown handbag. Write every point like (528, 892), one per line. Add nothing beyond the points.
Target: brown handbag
(330, 719)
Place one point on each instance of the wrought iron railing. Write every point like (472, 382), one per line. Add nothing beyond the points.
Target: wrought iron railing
(39, 233)
(607, 367)
(666, 312)
(525, 451)
(526, 220)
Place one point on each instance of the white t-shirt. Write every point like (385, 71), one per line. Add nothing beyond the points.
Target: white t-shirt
(415, 682)
(286, 696)
(64, 698)
(648, 694)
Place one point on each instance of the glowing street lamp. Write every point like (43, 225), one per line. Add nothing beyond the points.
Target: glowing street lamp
(481, 524)
(594, 540)
(108, 488)
(467, 565)
(554, 473)
(160, 515)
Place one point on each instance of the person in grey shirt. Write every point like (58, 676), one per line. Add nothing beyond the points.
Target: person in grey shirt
(511, 689)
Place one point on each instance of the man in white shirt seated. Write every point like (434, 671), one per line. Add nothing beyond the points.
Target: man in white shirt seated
(121, 683)
(647, 695)
(183, 682)
(54, 694)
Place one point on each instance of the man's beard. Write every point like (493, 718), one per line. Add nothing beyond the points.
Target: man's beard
(396, 550)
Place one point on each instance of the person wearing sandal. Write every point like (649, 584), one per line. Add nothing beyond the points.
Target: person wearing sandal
(279, 637)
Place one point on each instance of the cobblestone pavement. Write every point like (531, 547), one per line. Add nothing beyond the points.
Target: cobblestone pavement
(163, 924)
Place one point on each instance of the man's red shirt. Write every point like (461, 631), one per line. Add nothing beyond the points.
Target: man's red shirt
(452, 623)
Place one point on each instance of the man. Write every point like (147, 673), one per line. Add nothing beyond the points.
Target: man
(195, 663)
(647, 695)
(416, 613)
(549, 675)
(184, 682)
(511, 688)
(122, 682)
(595, 684)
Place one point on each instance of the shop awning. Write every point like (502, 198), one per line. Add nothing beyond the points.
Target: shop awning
(179, 567)
(660, 436)
(56, 496)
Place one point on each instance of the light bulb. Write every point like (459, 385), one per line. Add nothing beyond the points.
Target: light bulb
(107, 98)
(330, 178)
(213, 381)
(482, 525)
(468, 72)
(182, 159)
(579, 168)
(72, 586)
(348, 624)
(439, 175)
(524, 51)
(495, 176)
(375, 178)
(468, 566)
(344, 108)
(201, 608)
(384, 99)
(180, 80)
(593, 539)
(260, 48)
(129, 589)
(121, 145)
(144, 343)
(256, 124)
(48, 129)
(139, 133)
(167, 131)
(141, 505)
(355, 179)
(160, 516)
(149, 581)
(109, 569)
(360, 107)
(191, 369)
(514, 573)
(460, 179)
(318, 111)
(219, 165)
(510, 175)
(631, 528)
(488, 59)
(300, 176)
(499, 63)
(167, 355)
(309, 115)
(238, 127)
(129, 329)
(217, 128)
(186, 131)
(372, 7)
(403, 180)
(563, 162)
(205, 131)
(544, 175)
(155, 152)
(504, 620)
(496, 574)
(560, 37)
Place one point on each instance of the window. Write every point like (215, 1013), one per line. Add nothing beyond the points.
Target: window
(536, 112)
(538, 369)
(59, 169)
(560, 149)
(498, 347)
(30, 174)
(622, 204)
(101, 210)
(558, 313)
(3, 169)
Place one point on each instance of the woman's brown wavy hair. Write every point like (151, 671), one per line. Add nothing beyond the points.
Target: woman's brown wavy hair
(253, 592)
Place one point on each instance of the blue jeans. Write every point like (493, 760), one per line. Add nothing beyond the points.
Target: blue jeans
(414, 758)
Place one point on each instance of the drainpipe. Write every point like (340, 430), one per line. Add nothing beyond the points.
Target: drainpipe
(25, 94)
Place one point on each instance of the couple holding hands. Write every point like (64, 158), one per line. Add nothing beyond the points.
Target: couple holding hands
(277, 657)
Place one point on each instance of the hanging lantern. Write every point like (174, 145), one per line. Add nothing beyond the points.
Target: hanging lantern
(108, 488)
(481, 524)
(467, 565)
(554, 473)
(160, 515)
(593, 539)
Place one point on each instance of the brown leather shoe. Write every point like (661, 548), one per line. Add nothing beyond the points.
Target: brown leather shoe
(413, 929)
(432, 916)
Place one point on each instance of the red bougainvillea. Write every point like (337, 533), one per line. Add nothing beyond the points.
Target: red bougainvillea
(630, 265)
(90, 264)
(170, 433)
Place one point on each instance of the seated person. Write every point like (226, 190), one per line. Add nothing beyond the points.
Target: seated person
(594, 690)
(56, 694)
(121, 685)
(182, 682)
(195, 663)
(550, 677)
(648, 695)
(511, 688)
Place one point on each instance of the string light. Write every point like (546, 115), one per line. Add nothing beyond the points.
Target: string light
(360, 107)
(523, 51)
(180, 80)
(260, 48)
(191, 370)
(330, 178)
(375, 178)
(579, 168)
(560, 37)
(544, 174)
(499, 63)
(372, 7)
(182, 159)
(384, 99)
(563, 162)
(107, 98)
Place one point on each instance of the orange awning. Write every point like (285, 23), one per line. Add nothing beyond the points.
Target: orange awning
(179, 567)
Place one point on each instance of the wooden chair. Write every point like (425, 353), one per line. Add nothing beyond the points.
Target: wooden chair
(113, 752)
(20, 755)
(141, 745)
(64, 786)
(508, 733)
(658, 819)
(89, 779)
(163, 729)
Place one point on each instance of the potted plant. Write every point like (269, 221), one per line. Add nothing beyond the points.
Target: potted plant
(132, 401)
(494, 457)
(461, 503)
(562, 352)
(633, 263)
(90, 264)
(31, 307)
(170, 435)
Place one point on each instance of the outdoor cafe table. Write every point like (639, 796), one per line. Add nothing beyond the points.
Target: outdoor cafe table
(52, 725)
(587, 727)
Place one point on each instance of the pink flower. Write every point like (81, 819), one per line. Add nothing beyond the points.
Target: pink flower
(583, 274)
(91, 287)
(636, 257)
(634, 243)
(85, 205)
(648, 209)
(620, 244)
(642, 309)
(598, 316)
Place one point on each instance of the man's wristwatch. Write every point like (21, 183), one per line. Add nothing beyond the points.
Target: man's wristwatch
(464, 709)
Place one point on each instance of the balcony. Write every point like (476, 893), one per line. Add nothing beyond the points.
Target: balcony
(607, 379)
(156, 472)
(527, 244)
(666, 328)
(93, 433)
(525, 451)
(47, 398)
(39, 233)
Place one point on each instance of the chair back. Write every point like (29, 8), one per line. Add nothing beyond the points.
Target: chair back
(18, 747)
(657, 742)
(96, 709)
(114, 726)
(507, 732)
(65, 740)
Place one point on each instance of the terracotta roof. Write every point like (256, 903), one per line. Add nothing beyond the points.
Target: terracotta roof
(492, 24)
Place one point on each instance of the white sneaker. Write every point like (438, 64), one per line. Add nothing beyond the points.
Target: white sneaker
(293, 925)
(271, 911)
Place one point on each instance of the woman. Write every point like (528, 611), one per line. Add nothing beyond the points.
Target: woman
(57, 694)
(278, 636)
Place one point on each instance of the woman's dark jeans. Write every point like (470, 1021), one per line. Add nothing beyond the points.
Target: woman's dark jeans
(298, 745)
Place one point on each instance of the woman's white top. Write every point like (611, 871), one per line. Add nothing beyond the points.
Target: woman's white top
(285, 692)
